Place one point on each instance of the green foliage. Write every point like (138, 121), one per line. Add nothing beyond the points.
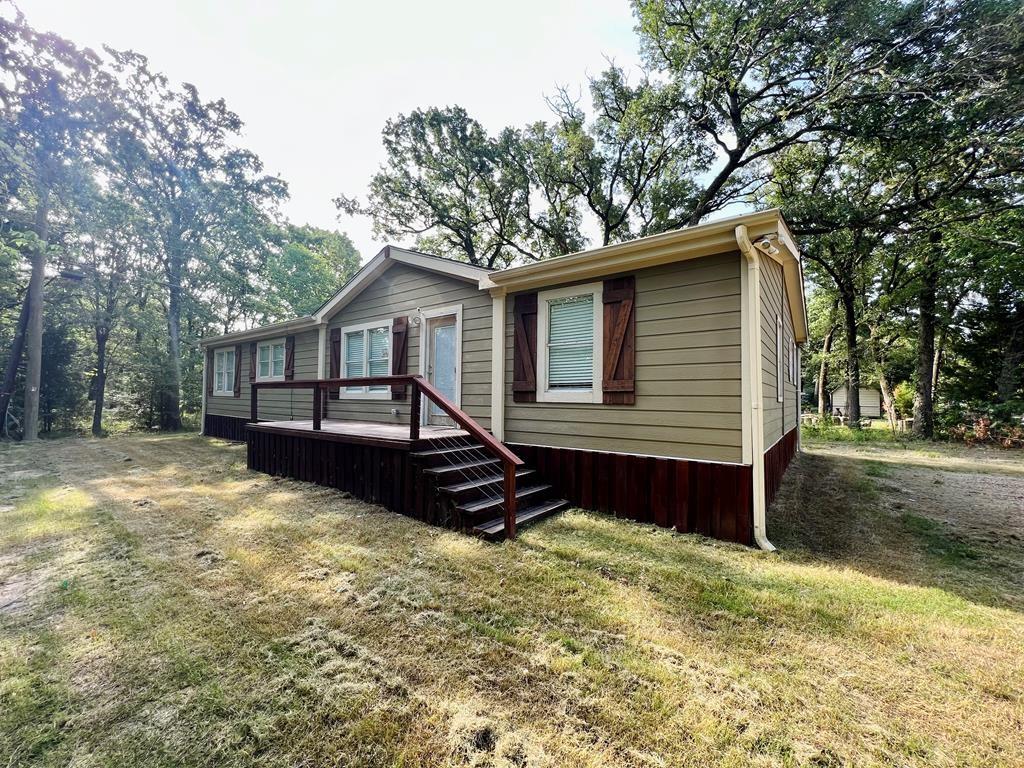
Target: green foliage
(829, 432)
(903, 399)
(162, 230)
(306, 268)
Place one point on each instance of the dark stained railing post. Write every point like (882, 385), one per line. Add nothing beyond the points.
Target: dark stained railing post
(253, 408)
(414, 410)
(316, 407)
(510, 500)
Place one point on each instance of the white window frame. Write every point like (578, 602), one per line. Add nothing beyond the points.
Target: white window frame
(595, 393)
(365, 393)
(779, 384)
(271, 343)
(221, 354)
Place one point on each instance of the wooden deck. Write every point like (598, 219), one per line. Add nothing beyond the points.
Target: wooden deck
(360, 432)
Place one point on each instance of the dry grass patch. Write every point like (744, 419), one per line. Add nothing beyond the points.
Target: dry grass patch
(185, 611)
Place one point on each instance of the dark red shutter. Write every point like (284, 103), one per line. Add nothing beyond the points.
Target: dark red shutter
(619, 382)
(289, 358)
(399, 354)
(238, 370)
(335, 361)
(252, 361)
(524, 352)
(210, 373)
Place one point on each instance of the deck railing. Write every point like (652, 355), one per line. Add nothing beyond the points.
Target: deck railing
(420, 388)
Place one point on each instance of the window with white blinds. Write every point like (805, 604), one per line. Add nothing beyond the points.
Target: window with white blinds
(569, 329)
(571, 342)
(366, 351)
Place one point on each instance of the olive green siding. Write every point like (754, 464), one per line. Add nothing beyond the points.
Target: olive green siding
(274, 404)
(774, 304)
(688, 373)
(398, 292)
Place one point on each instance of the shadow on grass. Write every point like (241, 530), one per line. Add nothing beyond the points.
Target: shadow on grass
(830, 510)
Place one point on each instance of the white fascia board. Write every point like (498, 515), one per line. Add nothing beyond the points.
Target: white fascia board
(370, 272)
(263, 332)
(677, 245)
(456, 269)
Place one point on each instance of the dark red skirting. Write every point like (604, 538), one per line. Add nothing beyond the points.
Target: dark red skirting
(225, 427)
(690, 496)
(776, 459)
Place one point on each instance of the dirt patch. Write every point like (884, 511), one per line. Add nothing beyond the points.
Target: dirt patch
(989, 507)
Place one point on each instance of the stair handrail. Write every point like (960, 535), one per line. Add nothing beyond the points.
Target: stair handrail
(420, 387)
(510, 462)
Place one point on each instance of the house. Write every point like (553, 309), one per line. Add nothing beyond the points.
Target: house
(655, 379)
(870, 402)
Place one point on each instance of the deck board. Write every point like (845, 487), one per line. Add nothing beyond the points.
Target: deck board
(396, 435)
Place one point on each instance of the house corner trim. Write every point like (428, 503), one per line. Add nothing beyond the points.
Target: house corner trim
(754, 433)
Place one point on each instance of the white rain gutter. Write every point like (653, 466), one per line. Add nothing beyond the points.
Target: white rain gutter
(754, 379)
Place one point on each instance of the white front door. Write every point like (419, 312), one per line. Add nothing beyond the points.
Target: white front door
(442, 364)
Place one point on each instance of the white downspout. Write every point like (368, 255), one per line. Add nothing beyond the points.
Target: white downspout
(756, 414)
(202, 411)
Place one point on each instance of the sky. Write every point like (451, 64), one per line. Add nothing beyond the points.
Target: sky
(315, 81)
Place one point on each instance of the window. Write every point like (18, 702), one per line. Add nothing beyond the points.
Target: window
(224, 372)
(778, 358)
(270, 361)
(366, 351)
(569, 331)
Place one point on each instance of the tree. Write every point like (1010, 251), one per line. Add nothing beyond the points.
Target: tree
(172, 154)
(305, 268)
(443, 184)
(112, 259)
(522, 195)
(754, 78)
(45, 122)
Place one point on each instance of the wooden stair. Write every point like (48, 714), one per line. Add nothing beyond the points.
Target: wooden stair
(469, 486)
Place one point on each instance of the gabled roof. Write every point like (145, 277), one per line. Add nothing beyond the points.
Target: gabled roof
(382, 261)
(369, 272)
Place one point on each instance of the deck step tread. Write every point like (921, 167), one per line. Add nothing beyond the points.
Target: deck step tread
(441, 452)
(521, 493)
(496, 527)
(445, 468)
(495, 479)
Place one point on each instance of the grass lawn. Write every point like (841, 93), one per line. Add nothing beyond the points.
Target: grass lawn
(160, 605)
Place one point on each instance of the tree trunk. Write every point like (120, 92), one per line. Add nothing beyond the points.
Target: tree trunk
(852, 359)
(34, 328)
(102, 334)
(1010, 371)
(887, 399)
(940, 349)
(826, 349)
(170, 406)
(924, 408)
(11, 374)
